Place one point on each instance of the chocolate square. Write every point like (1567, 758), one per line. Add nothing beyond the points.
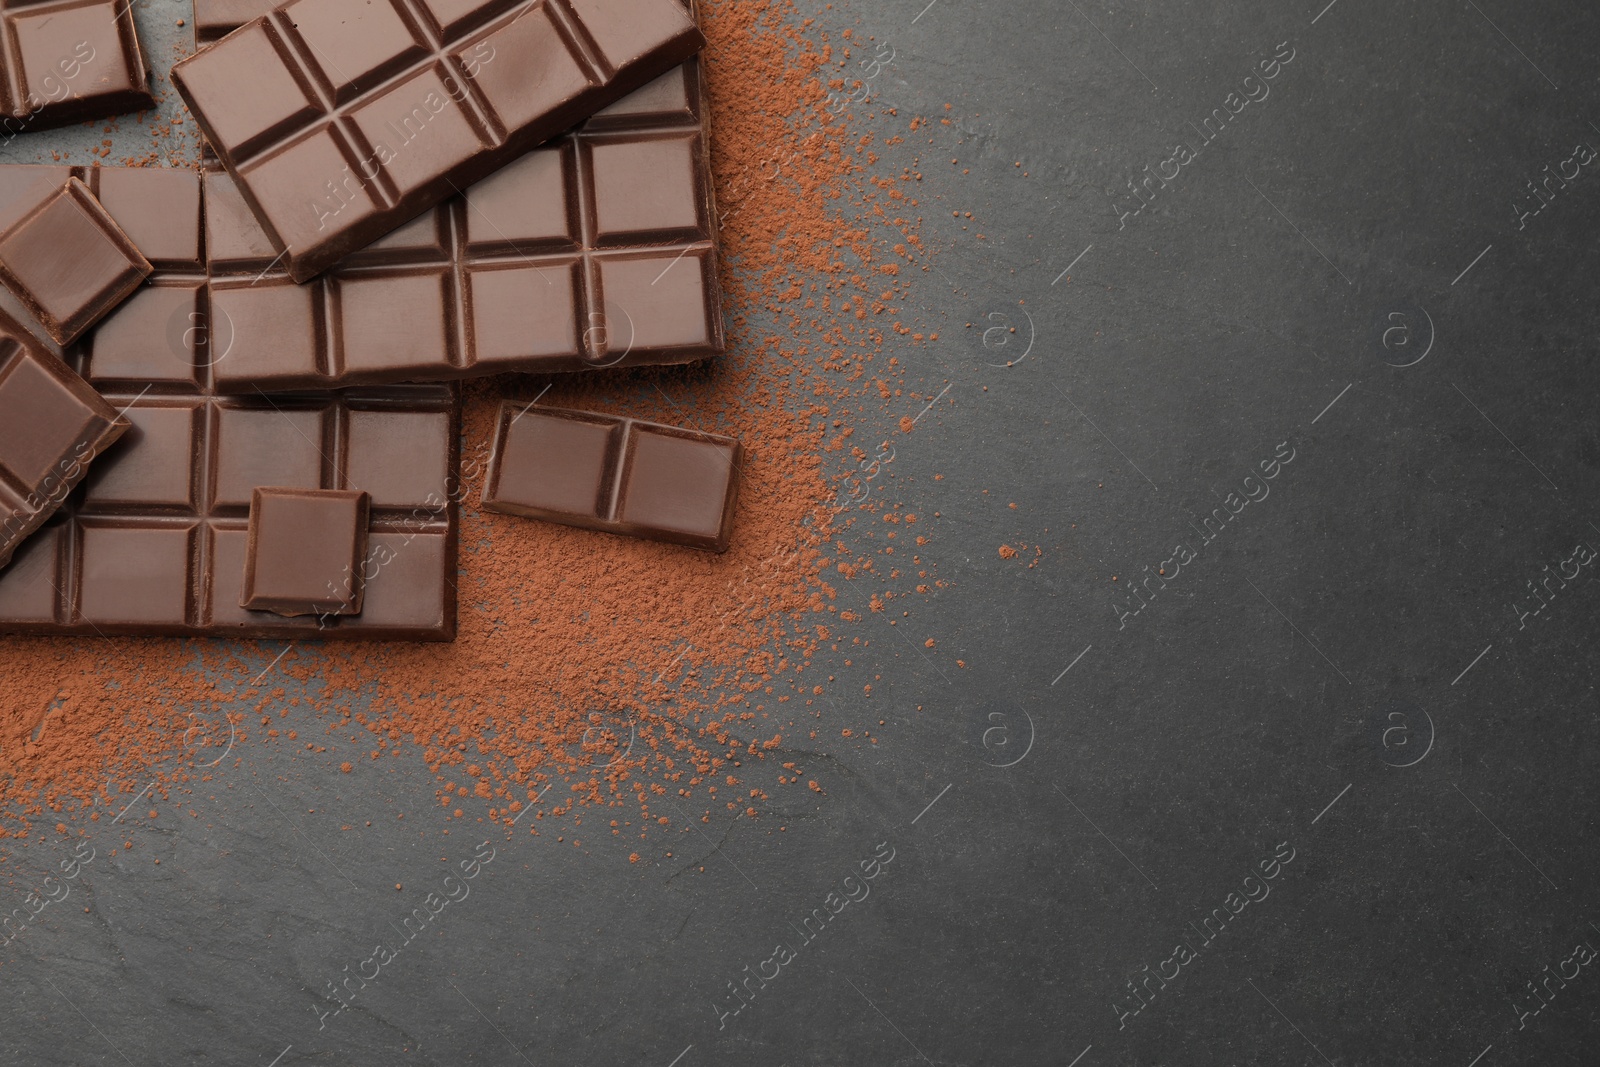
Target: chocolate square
(679, 485)
(520, 311)
(401, 458)
(256, 446)
(66, 62)
(403, 590)
(646, 188)
(356, 42)
(44, 417)
(157, 335)
(52, 426)
(135, 576)
(654, 304)
(554, 463)
(267, 95)
(158, 208)
(152, 467)
(525, 206)
(394, 321)
(69, 263)
(306, 552)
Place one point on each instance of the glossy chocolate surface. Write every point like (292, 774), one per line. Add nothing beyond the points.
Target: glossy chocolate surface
(306, 551)
(52, 426)
(603, 472)
(68, 262)
(67, 62)
(345, 119)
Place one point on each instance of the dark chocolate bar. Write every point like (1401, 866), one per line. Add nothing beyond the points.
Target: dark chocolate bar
(69, 61)
(306, 551)
(52, 426)
(68, 262)
(614, 474)
(511, 276)
(154, 541)
(345, 119)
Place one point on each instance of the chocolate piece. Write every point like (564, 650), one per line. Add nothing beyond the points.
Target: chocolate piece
(306, 551)
(344, 119)
(215, 19)
(68, 262)
(67, 62)
(52, 426)
(508, 277)
(614, 474)
(154, 542)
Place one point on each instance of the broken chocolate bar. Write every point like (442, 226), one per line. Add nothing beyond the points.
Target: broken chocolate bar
(603, 472)
(52, 426)
(67, 62)
(68, 262)
(154, 542)
(345, 119)
(306, 551)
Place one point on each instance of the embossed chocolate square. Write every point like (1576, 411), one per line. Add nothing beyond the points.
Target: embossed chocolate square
(68, 262)
(306, 551)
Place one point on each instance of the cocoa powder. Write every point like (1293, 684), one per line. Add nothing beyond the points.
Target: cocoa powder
(630, 675)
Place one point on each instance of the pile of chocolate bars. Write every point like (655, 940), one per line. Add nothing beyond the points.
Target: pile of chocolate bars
(226, 399)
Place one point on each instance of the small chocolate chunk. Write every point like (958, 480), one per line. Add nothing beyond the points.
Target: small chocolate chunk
(306, 551)
(619, 475)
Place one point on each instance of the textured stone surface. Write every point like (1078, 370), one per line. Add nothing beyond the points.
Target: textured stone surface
(1186, 741)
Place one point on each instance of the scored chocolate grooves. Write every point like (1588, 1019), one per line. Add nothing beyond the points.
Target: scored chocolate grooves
(309, 125)
(161, 551)
(152, 542)
(524, 272)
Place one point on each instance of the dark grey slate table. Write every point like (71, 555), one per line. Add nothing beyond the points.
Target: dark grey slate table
(1322, 793)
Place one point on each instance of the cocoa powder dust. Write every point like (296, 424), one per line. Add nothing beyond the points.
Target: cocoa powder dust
(617, 673)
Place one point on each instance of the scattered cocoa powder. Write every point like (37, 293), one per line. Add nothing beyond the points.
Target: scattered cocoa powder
(623, 673)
